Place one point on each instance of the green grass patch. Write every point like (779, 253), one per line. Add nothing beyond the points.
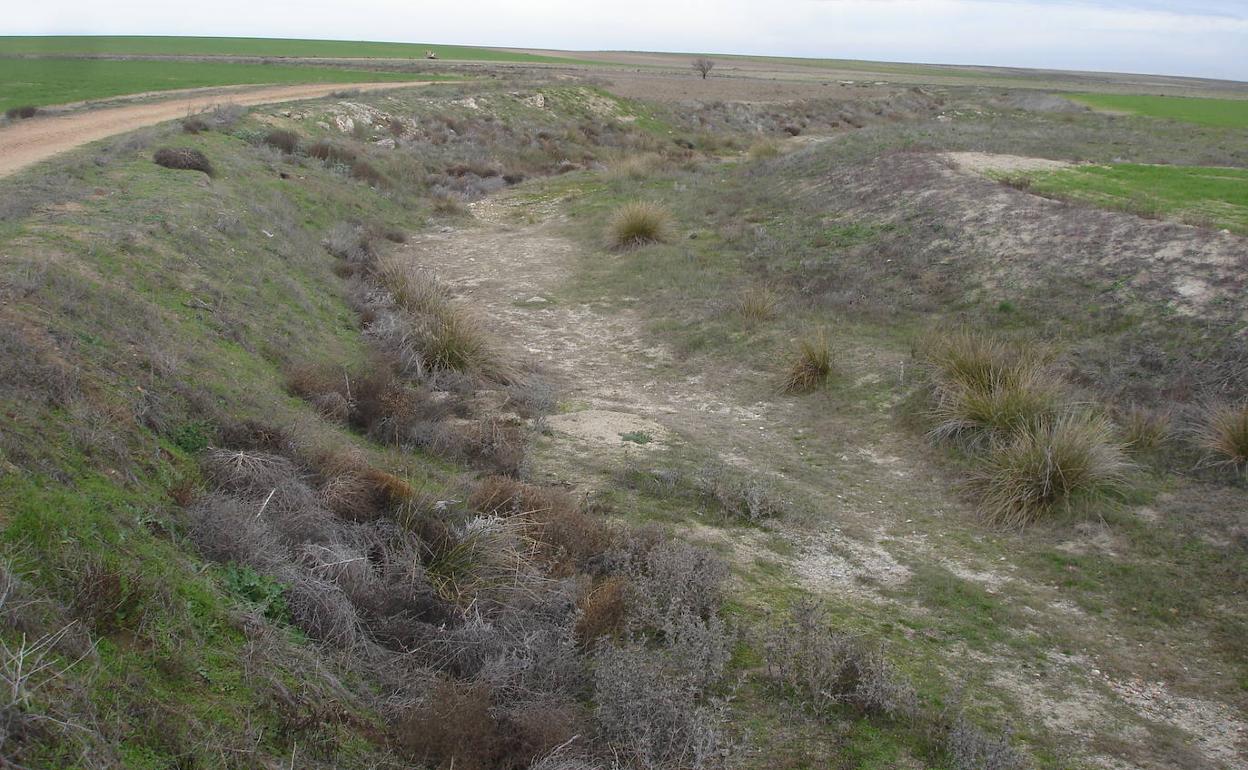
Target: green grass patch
(1215, 197)
(1232, 113)
(143, 45)
(58, 81)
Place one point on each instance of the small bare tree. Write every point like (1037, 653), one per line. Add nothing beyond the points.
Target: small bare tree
(703, 66)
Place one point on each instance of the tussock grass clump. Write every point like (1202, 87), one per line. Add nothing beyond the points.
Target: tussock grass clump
(1145, 430)
(447, 334)
(285, 140)
(183, 158)
(813, 363)
(1223, 433)
(1047, 467)
(757, 304)
(639, 224)
(634, 167)
(763, 150)
(984, 388)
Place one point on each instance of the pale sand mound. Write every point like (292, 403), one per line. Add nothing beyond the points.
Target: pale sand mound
(983, 163)
(606, 428)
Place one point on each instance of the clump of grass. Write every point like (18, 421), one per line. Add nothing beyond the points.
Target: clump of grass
(763, 150)
(813, 364)
(757, 304)
(1223, 433)
(183, 158)
(282, 139)
(985, 388)
(638, 224)
(1145, 430)
(1049, 466)
(634, 167)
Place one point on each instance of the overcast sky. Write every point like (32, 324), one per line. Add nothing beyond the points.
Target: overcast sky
(1202, 37)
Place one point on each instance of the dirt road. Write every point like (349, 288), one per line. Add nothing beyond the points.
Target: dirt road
(28, 142)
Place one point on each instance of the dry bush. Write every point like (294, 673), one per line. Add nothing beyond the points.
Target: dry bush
(570, 538)
(453, 728)
(1047, 466)
(195, 125)
(354, 245)
(332, 152)
(1223, 434)
(183, 158)
(825, 669)
(602, 611)
(740, 495)
(24, 112)
(812, 365)
(364, 171)
(968, 748)
(227, 529)
(651, 709)
(241, 471)
(668, 577)
(639, 224)
(634, 167)
(282, 139)
(757, 304)
(321, 609)
(105, 597)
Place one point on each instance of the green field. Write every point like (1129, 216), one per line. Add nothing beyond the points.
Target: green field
(1210, 196)
(1227, 113)
(58, 81)
(252, 46)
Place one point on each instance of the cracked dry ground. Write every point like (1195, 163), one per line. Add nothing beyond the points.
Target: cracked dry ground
(870, 506)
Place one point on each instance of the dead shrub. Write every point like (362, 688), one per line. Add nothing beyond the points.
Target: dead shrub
(183, 158)
(532, 730)
(496, 443)
(105, 597)
(366, 172)
(354, 245)
(602, 611)
(825, 669)
(332, 152)
(639, 224)
(283, 139)
(812, 365)
(195, 125)
(453, 728)
(24, 112)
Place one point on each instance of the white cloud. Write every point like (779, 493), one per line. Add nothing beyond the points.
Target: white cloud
(1204, 37)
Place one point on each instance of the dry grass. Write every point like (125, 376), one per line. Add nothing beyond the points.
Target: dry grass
(1047, 466)
(639, 224)
(332, 152)
(812, 365)
(634, 167)
(1146, 430)
(1223, 434)
(195, 125)
(985, 388)
(602, 611)
(757, 304)
(364, 171)
(763, 150)
(183, 158)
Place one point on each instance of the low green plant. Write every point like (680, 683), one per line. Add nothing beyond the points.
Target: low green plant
(267, 593)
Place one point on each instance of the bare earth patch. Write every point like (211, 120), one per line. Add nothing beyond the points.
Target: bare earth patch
(983, 163)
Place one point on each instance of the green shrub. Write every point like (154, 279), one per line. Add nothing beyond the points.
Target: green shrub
(1047, 466)
(638, 224)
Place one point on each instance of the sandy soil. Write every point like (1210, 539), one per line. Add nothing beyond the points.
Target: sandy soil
(982, 163)
(27, 142)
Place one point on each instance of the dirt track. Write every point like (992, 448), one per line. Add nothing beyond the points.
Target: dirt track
(29, 142)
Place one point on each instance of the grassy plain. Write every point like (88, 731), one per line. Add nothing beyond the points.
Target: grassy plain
(1229, 113)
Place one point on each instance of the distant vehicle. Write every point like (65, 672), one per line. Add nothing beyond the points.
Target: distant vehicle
(431, 54)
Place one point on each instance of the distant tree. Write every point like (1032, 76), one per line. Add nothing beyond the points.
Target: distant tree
(703, 66)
